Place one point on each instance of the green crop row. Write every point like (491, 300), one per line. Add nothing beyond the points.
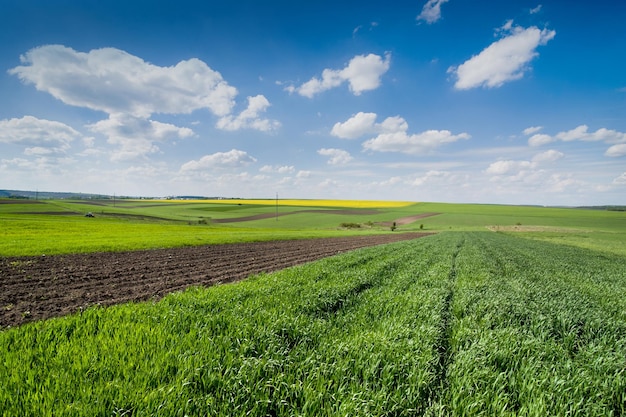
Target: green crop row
(538, 330)
(456, 324)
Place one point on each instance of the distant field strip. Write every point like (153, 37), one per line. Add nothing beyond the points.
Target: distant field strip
(302, 202)
(455, 324)
(272, 215)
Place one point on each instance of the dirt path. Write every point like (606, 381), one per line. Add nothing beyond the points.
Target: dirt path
(35, 288)
(409, 219)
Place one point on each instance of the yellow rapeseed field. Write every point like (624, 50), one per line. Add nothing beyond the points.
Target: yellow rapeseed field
(306, 203)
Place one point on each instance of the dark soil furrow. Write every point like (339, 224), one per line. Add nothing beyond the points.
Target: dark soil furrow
(34, 288)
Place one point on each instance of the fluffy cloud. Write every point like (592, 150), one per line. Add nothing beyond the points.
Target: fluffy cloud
(128, 88)
(136, 137)
(621, 180)
(336, 156)
(531, 130)
(414, 144)
(582, 133)
(437, 177)
(548, 156)
(231, 159)
(286, 169)
(41, 133)
(355, 127)
(362, 73)
(249, 118)
(114, 81)
(504, 60)
(522, 168)
(40, 136)
(507, 167)
(431, 12)
(616, 150)
(392, 134)
(365, 123)
(539, 139)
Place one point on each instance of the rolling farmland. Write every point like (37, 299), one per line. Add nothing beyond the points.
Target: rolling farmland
(460, 323)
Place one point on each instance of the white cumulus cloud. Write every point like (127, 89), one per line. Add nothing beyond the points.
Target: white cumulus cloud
(336, 156)
(114, 81)
(232, 159)
(414, 144)
(125, 86)
(616, 150)
(621, 180)
(435, 177)
(40, 133)
(358, 125)
(431, 12)
(540, 139)
(508, 166)
(548, 156)
(391, 134)
(136, 137)
(41, 138)
(250, 117)
(581, 133)
(363, 73)
(365, 123)
(505, 60)
(521, 168)
(531, 130)
(285, 169)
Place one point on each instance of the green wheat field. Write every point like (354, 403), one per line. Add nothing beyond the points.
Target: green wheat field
(503, 311)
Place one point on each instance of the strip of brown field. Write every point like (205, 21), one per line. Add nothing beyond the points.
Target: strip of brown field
(409, 219)
(36, 288)
(263, 216)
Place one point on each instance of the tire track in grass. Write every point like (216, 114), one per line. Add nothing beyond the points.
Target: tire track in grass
(442, 343)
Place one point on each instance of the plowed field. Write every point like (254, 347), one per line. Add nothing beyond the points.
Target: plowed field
(35, 288)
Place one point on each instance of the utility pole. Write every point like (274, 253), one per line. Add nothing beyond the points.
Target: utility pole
(276, 206)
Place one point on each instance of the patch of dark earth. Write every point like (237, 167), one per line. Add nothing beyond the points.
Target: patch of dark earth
(41, 287)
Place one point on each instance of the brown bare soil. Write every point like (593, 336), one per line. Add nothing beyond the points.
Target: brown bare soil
(409, 219)
(272, 215)
(35, 288)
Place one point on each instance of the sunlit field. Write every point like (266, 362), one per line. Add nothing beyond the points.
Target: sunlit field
(60, 226)
(455, 324)
(505, 310)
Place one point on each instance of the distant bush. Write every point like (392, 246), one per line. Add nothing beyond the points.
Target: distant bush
(350, 225)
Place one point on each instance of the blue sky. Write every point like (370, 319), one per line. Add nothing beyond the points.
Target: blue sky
(515, 102)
